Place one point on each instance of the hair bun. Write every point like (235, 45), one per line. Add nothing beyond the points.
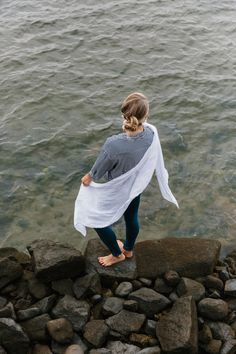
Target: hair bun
(130, 123)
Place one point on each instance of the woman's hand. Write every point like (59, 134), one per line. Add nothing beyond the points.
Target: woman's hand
(86, 180)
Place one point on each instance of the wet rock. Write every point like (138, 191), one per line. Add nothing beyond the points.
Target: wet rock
(100, 351)
(230, 287)
(150, 327)
(3, 301)
(124, 289)
(221, 330)
(146, 282)
(42, 306)
(212, 282)
(38, 289)
(161, 287)
(12, 253)
(149, 301)
(121, 271)
(170, 253)
(118, 347)
(8, 311)
(130, 305)
(142, 340)
(63, 286)
(87, 285)
(205, 335)
(95, 332)
(112, 305)
(190, 287)
(171, 278)
(10, 270)
(9, 329)
(153, 350)
(177, 330)
(36, 328)
(60, 330)
(75, 311)
(55, 260)
(229, 347)
(126, 322)
(41, 349)
(74, 349)
(213, 347)
(213, 309)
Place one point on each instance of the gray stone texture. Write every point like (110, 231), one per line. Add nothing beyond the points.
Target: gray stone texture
(149, 301)
(177, 330)
(95, 332)
(75, 311)
(213, 309)
(9, 329)
(55, 260)
(121, 271)
(126, 322)
(170, 253)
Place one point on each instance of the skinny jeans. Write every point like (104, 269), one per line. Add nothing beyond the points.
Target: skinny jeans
(108, 236)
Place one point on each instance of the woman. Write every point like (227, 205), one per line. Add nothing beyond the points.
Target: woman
(129, 159)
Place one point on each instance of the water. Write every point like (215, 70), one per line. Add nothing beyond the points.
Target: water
(65, 67)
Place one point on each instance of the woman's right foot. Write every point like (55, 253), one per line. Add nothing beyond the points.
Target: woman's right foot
(128, 254)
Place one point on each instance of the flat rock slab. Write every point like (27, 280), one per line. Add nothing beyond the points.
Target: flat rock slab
(126, 322)
(125, 270)
(190, 257)
(55, 260)
(9, 329)
(178, 329)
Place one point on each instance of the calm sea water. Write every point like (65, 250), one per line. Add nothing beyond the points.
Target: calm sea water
(66, 66)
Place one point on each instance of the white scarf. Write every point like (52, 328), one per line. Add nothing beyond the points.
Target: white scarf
(101, 204)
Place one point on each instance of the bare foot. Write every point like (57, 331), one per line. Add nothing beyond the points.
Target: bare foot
(127, 254)
(110, 259)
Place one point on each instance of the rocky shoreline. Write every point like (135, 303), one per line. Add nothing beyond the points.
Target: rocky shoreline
(175, 296)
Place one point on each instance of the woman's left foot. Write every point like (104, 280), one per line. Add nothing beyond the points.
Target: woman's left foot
(110, 259)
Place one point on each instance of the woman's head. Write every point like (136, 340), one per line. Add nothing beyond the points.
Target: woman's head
(135, 109)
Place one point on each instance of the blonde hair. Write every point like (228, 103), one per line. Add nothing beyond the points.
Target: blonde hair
(135, 109)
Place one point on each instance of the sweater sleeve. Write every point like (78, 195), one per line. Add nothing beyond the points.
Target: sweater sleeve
(103, 164)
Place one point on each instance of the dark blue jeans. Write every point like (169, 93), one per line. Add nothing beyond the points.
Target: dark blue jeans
(108, 236)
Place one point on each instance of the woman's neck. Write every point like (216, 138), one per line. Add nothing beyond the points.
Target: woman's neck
(139, 130)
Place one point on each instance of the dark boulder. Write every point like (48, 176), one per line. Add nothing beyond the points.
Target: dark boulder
(125, 270)
(190, 257)
(177, 330)
(10, 330)
(55, 260)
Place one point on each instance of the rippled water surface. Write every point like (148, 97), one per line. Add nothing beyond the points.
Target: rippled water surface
(66, 66)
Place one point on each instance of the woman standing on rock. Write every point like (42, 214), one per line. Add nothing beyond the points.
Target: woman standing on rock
(127, 161)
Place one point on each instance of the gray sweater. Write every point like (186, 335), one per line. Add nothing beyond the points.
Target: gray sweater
(120, 153)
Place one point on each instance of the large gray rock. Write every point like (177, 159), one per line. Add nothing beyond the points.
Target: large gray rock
(177, 330)
(36, 328)
(125, 270)
(230, 287)
(10, 330)
(149, 301)
(75, 311)
(118, 347)
(87, 285)
(10, 270)
(229, 347)
(112, 305)
(213, 309)
(126, 322)
(95, 332)
(11, 252)
(190, 287)
(221, 330)
(55, 260)
(190, 257)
